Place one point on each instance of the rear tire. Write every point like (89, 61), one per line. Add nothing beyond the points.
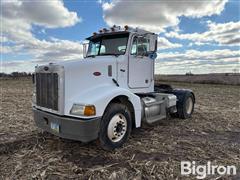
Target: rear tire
(115, 126)
(185, 106)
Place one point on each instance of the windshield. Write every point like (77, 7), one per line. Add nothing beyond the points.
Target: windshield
(108, 45)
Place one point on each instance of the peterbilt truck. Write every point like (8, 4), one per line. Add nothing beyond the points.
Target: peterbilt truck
(107, 93)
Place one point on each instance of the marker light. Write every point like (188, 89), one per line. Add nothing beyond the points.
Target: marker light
(105, 30)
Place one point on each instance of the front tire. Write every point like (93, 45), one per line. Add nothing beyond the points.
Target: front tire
(115, 126)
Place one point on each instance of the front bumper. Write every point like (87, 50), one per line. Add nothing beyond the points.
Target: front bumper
(83, 130)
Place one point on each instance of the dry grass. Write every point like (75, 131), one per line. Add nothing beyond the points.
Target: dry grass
(227, 79)
(212, 134)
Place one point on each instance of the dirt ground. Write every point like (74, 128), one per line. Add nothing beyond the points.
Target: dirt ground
(215, 78)
(212, 134)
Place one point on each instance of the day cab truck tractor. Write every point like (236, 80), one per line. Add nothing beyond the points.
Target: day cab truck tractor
(107, 93)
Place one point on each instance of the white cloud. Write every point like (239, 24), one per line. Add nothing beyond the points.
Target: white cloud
(9, 49)
(221, 33)
(50, 14)
(17, 66)
(164, 43)
(43, 52)
(198, 61)
(3, 39)
(18, 38)
(156, 15)
(57, 50)
(200, 55)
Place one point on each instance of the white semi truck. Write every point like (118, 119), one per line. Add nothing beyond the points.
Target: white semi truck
(107, 93)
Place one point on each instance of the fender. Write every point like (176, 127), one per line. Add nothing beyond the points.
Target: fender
(166, 88)
(181, 92)
(100, 96)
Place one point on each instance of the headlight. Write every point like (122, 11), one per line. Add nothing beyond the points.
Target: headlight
(34, 94)
(34, 101)
(84, 110)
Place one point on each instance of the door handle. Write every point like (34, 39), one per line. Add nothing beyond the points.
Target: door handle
(122, 70)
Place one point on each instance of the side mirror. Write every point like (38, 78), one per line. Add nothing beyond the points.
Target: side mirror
(153, 43)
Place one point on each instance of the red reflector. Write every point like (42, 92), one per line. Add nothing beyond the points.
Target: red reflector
(96, 73)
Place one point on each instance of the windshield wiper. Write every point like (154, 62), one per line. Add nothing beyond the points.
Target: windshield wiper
(111, 54)
(93, 56)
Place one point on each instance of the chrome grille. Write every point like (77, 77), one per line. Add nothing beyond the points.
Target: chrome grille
(47, 90)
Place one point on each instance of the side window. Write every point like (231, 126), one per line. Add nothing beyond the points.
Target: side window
(102, 49)
(134, 46)
(140, 46)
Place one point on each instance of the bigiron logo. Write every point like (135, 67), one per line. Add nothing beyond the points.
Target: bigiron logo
(202, 171)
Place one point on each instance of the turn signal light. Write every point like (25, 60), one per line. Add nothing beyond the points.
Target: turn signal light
(89, 111)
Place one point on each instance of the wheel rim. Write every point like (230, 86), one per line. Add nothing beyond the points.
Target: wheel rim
(189, 105)
(117, 127)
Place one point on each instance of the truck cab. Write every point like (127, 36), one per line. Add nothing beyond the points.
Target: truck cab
(108, 92)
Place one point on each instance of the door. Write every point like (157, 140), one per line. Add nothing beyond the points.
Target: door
(140, 73)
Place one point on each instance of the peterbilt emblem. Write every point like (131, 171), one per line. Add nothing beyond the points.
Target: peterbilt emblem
(45, 68)
(97, 74)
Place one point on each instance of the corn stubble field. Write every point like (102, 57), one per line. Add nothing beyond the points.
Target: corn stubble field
(212, 134)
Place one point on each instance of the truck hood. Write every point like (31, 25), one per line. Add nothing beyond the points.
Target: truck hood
(82, 76)
(80, 63)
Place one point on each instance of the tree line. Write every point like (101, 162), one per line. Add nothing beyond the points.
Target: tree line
(15, 74)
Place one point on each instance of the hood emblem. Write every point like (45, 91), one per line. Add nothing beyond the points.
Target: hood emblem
(97, 74)
(46, 68)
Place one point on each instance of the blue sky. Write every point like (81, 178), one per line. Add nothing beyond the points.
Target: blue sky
(196, 36)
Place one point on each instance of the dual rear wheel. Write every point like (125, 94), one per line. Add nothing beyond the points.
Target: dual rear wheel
(185, 106)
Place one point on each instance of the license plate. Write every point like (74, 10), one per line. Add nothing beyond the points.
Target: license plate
(55, 127)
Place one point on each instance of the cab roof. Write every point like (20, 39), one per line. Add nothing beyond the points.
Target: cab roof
(106, 34)
(115, 30)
